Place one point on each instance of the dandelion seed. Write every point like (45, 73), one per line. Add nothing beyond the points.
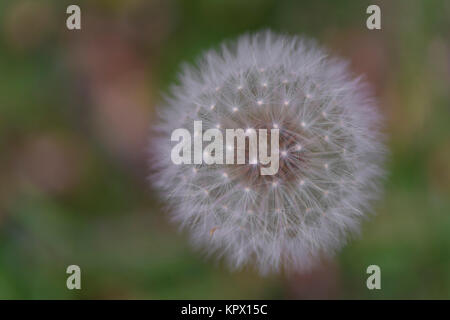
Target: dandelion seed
(211, 232)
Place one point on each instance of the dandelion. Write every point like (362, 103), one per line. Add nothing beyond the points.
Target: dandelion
(330, 165)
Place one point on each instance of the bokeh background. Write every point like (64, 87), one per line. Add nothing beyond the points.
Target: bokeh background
(75, 112)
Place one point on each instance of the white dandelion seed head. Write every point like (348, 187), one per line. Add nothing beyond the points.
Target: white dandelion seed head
(330, 166)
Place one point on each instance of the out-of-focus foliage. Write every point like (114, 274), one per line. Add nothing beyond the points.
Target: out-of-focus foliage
(75, 107)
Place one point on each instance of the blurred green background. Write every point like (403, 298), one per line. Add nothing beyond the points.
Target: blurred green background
(75, 110)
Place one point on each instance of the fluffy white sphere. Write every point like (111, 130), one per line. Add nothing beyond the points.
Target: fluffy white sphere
(331, 152)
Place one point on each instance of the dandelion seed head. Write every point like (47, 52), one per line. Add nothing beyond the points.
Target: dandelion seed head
(331, 153)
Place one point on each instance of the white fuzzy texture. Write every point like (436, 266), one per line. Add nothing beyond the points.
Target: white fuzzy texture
(330, 167)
